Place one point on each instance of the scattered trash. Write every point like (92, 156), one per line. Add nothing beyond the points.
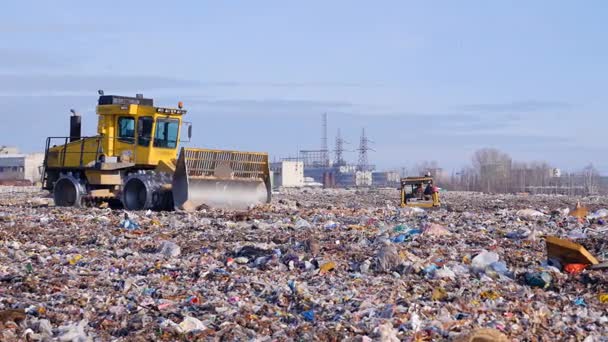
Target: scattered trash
(577, 234)
(411, 211)
(302, 224)
(445, 272)
(500, 267)
(387, 258)
(330, 225)
(600, 266)
(252, 275)
(435, 229)
(400, 228)
(519, 234)
(387, 333)
(12, 315)
(598, 214)
(529, 214)
(74, 332)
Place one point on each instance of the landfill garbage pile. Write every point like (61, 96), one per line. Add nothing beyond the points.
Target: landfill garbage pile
(313, 264)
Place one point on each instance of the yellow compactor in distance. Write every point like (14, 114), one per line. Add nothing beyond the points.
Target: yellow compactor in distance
(412, 197)
(134, 159)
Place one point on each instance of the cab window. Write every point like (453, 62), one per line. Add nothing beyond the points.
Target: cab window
(144, 130)
(126, 129)
(166, 133)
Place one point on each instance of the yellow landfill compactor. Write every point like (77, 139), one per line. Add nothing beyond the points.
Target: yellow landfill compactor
(134, 159)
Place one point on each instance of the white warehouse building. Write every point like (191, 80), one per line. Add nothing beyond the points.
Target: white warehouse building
(19, 167)
(288, 174)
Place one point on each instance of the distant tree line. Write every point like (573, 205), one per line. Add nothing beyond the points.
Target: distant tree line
(493, 171)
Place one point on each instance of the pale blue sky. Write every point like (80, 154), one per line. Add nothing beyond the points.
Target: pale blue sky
(427, 81)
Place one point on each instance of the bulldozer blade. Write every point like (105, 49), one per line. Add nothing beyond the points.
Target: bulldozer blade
(220, 179)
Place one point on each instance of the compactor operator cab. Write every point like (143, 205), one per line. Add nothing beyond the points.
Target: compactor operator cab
(136, 128)
(419, 192)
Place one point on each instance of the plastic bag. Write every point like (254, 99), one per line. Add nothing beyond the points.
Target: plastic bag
(302, 224)
(484, 259)
(170, 249)
(387, 258)
(191, 324)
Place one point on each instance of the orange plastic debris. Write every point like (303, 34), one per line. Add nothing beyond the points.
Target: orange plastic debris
(574, 268)
(326, 267)
(492, 295)
(439, 294)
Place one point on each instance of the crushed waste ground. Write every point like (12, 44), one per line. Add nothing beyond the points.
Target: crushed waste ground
(313, 265)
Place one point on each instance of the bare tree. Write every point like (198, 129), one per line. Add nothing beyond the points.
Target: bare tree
(424, 167)
(493, 168)
(590, 179)
(494, 171)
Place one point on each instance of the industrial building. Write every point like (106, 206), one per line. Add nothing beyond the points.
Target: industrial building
(287, 174)
(8, 150)
(21, 167)
(386, 179)
(319, 168)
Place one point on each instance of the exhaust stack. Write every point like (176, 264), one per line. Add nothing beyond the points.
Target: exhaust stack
(75, 126)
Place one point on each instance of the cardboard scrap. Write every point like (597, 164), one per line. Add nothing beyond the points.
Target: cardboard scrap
(483, 335)
(568, 252)
(579, 211)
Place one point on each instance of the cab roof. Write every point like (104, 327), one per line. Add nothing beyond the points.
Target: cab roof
(124, 100)
(124, 103)
(416, 180)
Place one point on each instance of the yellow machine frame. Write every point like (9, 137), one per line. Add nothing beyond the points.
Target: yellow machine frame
(411, 181)
(134, 158)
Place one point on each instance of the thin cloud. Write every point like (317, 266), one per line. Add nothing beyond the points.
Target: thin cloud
(517, 106)
(15, 84)
(16, 28)
(312, 84)
(12, 58)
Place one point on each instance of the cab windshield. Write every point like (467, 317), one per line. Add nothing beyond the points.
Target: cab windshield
(166, 133)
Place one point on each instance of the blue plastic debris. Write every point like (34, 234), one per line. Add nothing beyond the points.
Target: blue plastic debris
(309, 315)
(399, 238)
(579, 302)
(430, 269)
(292, 286)
(407, 235)
(129, 224)
(538, 279)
